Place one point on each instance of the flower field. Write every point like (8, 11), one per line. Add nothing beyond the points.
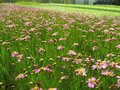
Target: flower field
(48, 50)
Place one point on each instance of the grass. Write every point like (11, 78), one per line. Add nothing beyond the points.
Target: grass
(49, 50)
(98, 10)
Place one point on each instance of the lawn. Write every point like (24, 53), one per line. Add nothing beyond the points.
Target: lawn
(46, 49)
(98, 10)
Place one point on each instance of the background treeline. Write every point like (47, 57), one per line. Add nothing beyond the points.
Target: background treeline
(42, 1)
(117, 2)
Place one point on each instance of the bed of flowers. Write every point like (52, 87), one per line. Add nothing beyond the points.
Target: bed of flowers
(49, 50)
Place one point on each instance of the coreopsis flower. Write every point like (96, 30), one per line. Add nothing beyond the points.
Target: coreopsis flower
(36, 88)
(10, 26)
(107, 40)
(71, 21)
(92, 82)
(55, 34)
(103, 64)
(19, 57)
(60, 47)
(96, 66)
(89, 59)
(20, 76)
(63, 17)
(65, 59)
(110, 54)
(52, 40)
(77, 61)
(80, 72)
(117, 66)
(75, 44)
(112, 64)
(71, 53)
(62, 39)
(47, 68)
(118, 82)
(107, 73)
(37, 71)
(94, 48)
(41, 50)
(118, 46)
(65, 26)
(5, 43)
(64, 77)
(106, 31)
(27, 24)
(49, 29)
(14, 54)
(52, 89)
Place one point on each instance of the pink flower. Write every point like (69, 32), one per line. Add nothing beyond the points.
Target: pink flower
(65, 26)
(118, 46)
(118, 82)
(103, 64)
(10, 26)
(80, 72)
(63, 17)
(14, 54)
(109, 55)
(62, 39)
(20, 76)
(106, 31)
(95, 67)
(89, 59)
(49, 29)
(107, 73)
(77, 61)
(117, 66)
(27, 23)
(47, 68)
(37, 71)
(71, 53)
(52, 40)
(19, 57)
(112, 64)
(65, 59)
(60, 47)
(92, 82)
(71, 21)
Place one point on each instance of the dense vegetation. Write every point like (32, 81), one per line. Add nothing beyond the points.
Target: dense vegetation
(97, 10)
(48, 50)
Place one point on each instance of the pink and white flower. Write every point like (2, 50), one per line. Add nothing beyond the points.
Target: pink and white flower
(92, 82)
(71, 53)
(20, 76)
(103, 64)
(107, 73)
(14, 54)
(118, 82)
(118, 46)
(80, 72)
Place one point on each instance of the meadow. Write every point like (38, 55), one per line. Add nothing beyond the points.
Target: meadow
(44, 49)
(97, 10)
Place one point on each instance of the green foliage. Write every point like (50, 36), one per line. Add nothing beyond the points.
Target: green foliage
(103, 10)
(41, 48)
